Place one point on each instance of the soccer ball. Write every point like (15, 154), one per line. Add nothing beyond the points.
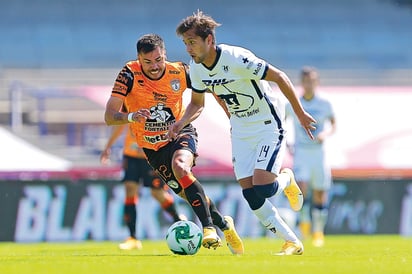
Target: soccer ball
(184, 238)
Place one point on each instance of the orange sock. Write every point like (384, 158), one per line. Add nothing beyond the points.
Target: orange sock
(168, 201)
(187, 180)
(131, 200)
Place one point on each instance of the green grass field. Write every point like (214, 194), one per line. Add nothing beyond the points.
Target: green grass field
(341, 254)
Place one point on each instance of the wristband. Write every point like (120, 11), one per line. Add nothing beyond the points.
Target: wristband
(130, 117)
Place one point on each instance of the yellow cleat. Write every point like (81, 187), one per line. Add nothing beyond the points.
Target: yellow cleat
(305, 229)
(293, 192)
(233, 241)
(291, 248)
(210, 238)
(318, 239)
(131, 243)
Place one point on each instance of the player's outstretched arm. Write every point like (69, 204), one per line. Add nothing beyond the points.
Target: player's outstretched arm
(193, 110)
(285, 85)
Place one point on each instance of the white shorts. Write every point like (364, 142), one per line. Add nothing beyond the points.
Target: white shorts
(263, 147)
(309, 166)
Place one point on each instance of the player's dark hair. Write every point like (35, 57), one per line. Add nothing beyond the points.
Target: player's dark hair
(149, 42)
(307, 71)
(202, 24)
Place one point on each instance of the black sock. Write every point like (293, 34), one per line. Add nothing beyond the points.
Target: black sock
(197, 200)
(217, 217)
(171, 210)
(129, 217)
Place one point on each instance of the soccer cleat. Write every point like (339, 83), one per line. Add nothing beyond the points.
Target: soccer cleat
(210, 238)
(293, 192)
(182, 217)
(291, 248)
(131, 243)
(318, 239)
(305, 228)
(233, 241)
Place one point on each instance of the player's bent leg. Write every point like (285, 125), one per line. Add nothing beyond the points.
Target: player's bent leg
(130, 216)
(271, 219)
(197, 199)
(181, 165)
(217, 218)
(226, 225)
(267, 190)
(166, 201)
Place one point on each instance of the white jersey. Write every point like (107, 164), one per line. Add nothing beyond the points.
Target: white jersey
(320, 109)
(309, 161)
(236, 77)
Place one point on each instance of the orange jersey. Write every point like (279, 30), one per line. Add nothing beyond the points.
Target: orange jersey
(163, 97)
(130, 146)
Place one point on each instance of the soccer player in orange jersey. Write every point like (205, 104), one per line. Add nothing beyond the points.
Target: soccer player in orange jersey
(137, 171)
(151, 89)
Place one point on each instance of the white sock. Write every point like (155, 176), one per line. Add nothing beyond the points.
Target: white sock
(304, 214)
(270, 218)
(283, 180)
(319, 218)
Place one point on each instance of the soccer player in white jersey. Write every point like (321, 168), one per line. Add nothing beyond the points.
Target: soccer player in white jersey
(240, 79)
(312, 171)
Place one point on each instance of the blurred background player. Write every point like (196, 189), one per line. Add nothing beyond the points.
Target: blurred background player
(136, 170)
(312, 171)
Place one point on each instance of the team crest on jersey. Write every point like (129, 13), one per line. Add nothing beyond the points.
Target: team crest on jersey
(175, 84)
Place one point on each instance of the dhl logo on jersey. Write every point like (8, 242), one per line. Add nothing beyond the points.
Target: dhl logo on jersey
(217, 82)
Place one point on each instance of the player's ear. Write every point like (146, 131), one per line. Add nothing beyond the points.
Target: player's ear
(210, 39)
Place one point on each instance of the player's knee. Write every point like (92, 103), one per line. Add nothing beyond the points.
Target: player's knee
(131, 188)
(182, 162)
(180, 168)
(255, 201)
(156, 184)
(266, 191)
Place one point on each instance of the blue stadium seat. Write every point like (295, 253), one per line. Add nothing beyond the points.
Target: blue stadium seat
(366, 34)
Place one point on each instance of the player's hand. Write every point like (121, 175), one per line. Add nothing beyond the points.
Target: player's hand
(105, 157)
(174, 130)
(308, 123)
(141, 115)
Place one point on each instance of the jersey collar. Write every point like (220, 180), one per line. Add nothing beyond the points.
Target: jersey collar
(218, 53)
